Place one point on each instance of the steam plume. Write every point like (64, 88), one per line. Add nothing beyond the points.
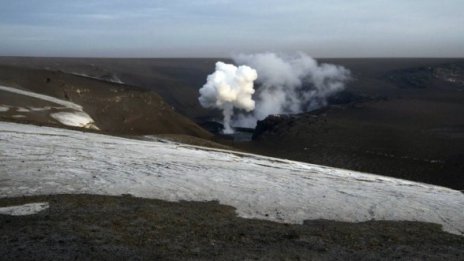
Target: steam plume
(290, 84)
(286, 85)
(227, 88)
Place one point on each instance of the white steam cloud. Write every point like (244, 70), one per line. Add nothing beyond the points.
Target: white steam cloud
(227, 88)
(290, 84)
(286, 85)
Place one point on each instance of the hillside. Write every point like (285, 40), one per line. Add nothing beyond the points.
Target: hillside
(285, 209)
(396, 117)
(115, 108)
(398, 121)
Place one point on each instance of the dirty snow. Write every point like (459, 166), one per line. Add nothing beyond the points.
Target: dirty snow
(23, 210)
(75, 119)
(41, 160)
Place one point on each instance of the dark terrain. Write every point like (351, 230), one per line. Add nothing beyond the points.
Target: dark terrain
(82, 227)
(116, 108)
(176, 80)
(397, 117)
(404, 123)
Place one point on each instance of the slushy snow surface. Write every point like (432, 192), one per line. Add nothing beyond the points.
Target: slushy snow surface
(24, 210)
(41, 160)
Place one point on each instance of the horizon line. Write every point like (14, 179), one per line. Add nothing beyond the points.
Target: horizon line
(218, 57)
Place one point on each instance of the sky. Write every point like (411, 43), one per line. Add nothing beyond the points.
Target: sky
(221, 28)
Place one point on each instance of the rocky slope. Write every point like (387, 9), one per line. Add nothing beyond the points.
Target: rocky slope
(115, 108)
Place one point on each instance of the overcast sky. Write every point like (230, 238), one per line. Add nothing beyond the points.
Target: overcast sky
(206, 28)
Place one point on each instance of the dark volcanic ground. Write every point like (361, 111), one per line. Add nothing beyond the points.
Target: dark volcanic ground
(427, 146)
(82, 227)
(176, 80)
(397, 117)
(404, 123)
(116, 108)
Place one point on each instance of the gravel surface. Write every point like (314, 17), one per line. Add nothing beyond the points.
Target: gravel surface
(86, 227)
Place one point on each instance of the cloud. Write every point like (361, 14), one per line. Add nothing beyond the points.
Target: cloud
(212, 27)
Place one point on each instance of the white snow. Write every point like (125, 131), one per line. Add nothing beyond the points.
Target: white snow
(4, 108)
(23, 210)
(46, 108)
(40, 160)
(114, 78)
(64, 103)
(75, 119)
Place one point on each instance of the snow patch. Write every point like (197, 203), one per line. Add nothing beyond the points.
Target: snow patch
(22, 109)
(257, 186)
(4, 108)
(46, 108)
(114, 78)
(24, 210)
(66, 104)
(75, 119)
